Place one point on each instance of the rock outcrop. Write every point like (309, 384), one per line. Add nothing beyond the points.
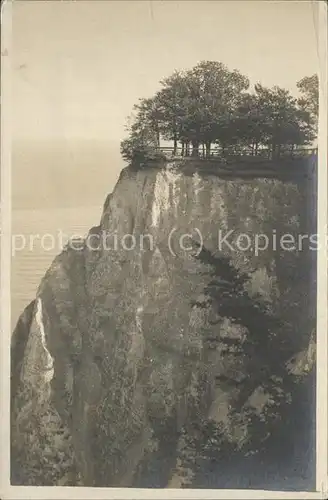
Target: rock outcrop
(111, 368)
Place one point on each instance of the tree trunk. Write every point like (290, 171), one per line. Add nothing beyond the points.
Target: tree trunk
(275, 141)
(278, 150)
(195, 148)
(175, 145)
(208, 149)
(158, 138)
(203, 150)
(273, 150)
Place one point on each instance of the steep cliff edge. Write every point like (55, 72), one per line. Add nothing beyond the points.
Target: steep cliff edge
(113, 363)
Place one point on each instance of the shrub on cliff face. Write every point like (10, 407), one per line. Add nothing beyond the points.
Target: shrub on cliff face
(227, 297)
(266, 389)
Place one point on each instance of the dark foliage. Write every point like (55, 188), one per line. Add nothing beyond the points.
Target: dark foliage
(209, 105)
(264, 349)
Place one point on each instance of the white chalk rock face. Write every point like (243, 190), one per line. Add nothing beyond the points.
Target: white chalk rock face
(123, 353)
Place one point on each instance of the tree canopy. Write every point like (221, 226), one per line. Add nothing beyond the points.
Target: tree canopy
(210, 105)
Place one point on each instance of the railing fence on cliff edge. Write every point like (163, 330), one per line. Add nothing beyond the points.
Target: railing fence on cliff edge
(217, 153)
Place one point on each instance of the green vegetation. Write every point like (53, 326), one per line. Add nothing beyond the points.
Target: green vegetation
(264, 350)
(264, 346)
(210, 106)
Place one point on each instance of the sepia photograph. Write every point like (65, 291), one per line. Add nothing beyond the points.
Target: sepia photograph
(163, 248)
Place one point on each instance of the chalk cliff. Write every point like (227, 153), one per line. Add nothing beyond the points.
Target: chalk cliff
(111, 363)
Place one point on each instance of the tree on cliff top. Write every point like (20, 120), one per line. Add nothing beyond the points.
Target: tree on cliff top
(191, 106)
(282, 122)
(209, 104)
(309, 100)
(213, 92)
(144, 132)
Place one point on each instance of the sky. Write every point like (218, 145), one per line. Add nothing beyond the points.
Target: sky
(78, 67)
